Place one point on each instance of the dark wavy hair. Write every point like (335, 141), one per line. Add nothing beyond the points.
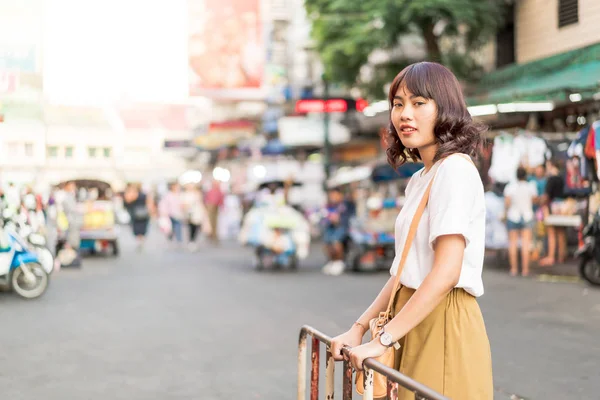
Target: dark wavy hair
(455, 131)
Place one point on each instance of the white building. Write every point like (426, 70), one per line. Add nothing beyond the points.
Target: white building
(77, 143)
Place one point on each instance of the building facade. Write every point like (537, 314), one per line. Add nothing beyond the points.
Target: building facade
(547, 27)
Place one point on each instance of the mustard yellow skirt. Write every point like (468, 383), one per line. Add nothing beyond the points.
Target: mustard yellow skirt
(449, 351)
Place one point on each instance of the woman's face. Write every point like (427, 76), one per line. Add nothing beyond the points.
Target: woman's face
(414, 118)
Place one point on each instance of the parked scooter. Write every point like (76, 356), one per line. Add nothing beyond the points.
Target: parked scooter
(37, 242)
(20, 269)
(589, 253)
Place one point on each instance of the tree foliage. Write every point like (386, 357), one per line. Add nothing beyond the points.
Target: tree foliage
(346, 32)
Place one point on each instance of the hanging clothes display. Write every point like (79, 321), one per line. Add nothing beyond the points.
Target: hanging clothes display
(505, 158)
(510, 152)
(533, 149)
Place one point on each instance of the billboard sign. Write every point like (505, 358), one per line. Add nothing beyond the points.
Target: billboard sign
(226, 49)
(224, 134)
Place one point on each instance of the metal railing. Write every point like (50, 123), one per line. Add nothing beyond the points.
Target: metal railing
(394, 378)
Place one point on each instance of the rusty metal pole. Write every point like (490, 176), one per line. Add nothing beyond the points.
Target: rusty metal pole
(314, 373)
(302, 353)
(329, 376)
(347, 392)
(368, 395)
(392, 390)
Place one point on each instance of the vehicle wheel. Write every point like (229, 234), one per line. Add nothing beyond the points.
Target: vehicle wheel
(259, 259)
(590, 271)
(30, 290)
(294, 262)
(353, 255)
(115, 248)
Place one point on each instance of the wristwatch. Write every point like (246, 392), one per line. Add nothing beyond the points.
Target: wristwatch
(385, 338)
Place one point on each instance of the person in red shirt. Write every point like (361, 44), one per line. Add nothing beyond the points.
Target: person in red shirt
(214, 199)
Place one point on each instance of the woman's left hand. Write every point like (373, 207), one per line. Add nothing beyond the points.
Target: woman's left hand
(359, 354)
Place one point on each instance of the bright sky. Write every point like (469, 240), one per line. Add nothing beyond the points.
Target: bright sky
(99, 51)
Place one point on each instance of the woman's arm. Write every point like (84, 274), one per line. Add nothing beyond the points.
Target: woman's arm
(449, 252)
(379, 304)
(353, 336)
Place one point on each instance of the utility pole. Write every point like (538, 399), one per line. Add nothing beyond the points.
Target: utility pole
(327, 144)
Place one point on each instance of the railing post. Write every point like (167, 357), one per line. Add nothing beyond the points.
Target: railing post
(314, 373)
(329, 376)
(368, 395)
(347, 393)
(302, 353)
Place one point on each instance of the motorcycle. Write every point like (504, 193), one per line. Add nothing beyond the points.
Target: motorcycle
(589, 253)
(20, 268)
(37, 242)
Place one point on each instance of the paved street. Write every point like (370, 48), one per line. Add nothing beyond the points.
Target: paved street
(166, 325)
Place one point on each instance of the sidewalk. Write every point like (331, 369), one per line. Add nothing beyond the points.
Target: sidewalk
(563, 272)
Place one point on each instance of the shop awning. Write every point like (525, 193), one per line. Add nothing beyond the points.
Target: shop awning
(553, 78)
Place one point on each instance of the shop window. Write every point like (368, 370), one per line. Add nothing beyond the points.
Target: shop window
(52, 151)
(505, 39)
(69, 152)
(28, 149)
(568, 12)
(92, 152)
(12, 149)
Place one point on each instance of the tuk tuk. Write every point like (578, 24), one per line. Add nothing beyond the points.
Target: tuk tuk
(99, 230)
(371, 241)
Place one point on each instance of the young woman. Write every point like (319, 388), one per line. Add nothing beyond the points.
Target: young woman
(139, 208)
(519, 198)
(553, 200)
(437, 321)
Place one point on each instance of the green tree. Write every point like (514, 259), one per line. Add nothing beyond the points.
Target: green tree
(346, 32)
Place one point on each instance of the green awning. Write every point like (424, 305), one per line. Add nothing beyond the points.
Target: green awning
(548, 79)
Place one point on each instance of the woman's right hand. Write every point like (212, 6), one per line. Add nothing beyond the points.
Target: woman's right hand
(351, 338)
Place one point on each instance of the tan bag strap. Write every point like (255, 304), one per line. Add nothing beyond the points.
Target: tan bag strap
(412, 232)
(408, 243)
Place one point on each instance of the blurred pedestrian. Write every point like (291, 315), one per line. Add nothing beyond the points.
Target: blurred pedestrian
(70, 253)
(139, 208)
(196, 214)
(214, 201)
(554, 201)
(519, 198)
(427, 317)
(337, 225)
(171, 207)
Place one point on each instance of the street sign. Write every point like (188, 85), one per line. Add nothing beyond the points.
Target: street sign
(306, 106)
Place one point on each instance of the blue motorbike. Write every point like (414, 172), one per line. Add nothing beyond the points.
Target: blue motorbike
(20, 267)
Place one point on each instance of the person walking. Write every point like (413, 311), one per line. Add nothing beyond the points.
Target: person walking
(337, 225)
(196, 214)
(554, 204)
(434, 323)
(171, 207)
(519, 198)
(214, 201)
(139, 208)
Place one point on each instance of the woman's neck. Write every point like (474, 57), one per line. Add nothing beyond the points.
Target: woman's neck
(427, 154)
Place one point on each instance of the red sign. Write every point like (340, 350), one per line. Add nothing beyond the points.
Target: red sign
(319, 106)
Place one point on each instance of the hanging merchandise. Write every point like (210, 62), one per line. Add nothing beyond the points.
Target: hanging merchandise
(505, 158)
(534, 150)
(595, 138)
(577, 149)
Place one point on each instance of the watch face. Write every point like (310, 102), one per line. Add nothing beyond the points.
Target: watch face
(386, 339)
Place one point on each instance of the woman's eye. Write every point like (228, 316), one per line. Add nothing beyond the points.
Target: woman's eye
(420, 103)
(398, 105)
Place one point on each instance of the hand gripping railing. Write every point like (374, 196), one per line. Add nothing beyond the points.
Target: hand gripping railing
(394, 378)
